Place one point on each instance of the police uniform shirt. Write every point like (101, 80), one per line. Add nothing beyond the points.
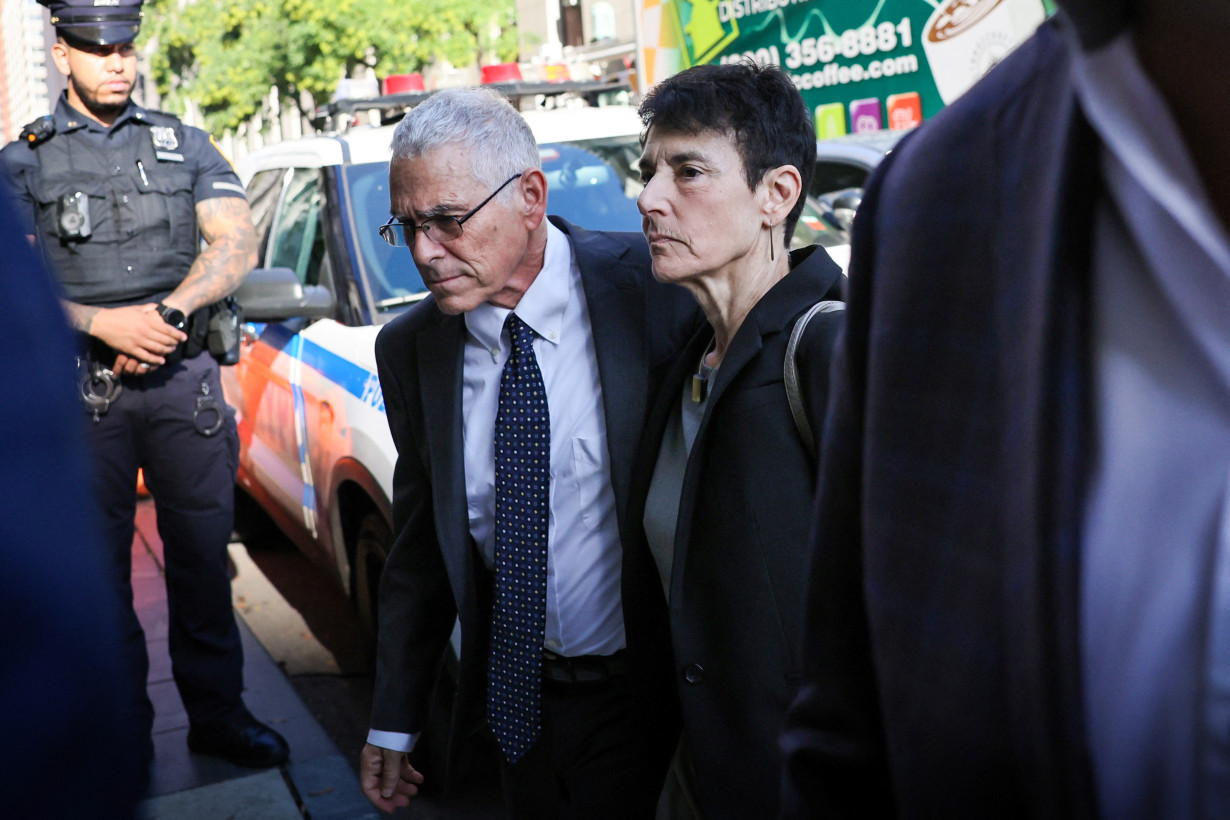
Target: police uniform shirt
(184, 149)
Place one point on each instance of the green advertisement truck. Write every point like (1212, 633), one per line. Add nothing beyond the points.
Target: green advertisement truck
(861, 65)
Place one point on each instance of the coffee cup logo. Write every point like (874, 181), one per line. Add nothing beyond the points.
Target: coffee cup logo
(963, 39)
(957, 16)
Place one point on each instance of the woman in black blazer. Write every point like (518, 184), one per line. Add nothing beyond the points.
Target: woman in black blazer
(728, 157)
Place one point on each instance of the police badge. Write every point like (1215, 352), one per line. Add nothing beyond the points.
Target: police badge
(164, 138)
(165, 143)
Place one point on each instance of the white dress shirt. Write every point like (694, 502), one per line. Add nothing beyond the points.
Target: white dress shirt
(584, 555)
(1155, 574)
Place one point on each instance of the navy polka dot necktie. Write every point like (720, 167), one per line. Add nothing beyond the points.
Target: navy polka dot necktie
(522, 484)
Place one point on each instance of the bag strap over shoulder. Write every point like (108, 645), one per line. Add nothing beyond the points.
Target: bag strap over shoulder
(790, 370)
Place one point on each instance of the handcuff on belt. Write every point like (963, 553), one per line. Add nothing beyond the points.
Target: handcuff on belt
(99, 387)
(206, 404)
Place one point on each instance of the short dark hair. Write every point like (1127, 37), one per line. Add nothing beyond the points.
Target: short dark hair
(758, 106)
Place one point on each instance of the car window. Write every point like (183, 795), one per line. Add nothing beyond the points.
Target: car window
(592, 184)
(263, 191)
(389, 271)
(836, 176)
(298, 241)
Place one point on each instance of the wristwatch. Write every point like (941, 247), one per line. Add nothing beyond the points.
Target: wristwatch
(172, 316)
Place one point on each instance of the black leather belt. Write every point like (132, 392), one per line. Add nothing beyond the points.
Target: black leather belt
(581, 669)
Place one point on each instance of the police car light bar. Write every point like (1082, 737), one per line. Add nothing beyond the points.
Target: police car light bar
(394, 106)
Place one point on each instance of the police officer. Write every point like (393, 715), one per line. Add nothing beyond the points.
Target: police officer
(119, 198)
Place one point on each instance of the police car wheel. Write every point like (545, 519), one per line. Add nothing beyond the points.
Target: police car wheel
(371, 548)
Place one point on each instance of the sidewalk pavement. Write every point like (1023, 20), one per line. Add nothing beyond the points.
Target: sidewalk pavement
(316, 783)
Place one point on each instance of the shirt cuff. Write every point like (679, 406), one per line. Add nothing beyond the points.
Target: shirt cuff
(397, 741)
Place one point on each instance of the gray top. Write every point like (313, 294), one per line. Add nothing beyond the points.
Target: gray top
(662, 503)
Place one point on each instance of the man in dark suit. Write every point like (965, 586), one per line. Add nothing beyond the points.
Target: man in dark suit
(1019, 602)
(516, 394)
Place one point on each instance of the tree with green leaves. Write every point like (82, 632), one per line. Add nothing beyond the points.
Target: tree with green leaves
(226, 55)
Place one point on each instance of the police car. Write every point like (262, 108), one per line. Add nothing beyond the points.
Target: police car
(315, 448)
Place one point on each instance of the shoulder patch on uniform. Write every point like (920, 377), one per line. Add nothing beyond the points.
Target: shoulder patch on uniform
(215, 144)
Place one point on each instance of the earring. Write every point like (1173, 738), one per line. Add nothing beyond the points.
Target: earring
(770, 243)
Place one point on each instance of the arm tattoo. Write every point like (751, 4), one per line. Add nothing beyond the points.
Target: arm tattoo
(227, 226)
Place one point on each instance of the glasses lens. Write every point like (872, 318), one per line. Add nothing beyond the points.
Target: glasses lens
(437, 229)
(441, 228)
(394, 233)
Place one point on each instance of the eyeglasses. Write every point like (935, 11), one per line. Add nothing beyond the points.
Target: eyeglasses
(436, 228)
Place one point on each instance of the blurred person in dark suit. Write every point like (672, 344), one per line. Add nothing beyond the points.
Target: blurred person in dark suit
(62, 693)
(1020, 595)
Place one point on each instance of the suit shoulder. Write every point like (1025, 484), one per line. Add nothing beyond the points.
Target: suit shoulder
(402, 330)
(638, 253)
(1032, 80)
(587, 244)
(629, 247)
(635, 254)
(633, 241)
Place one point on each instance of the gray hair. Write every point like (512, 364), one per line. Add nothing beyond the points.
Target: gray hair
(497, 138)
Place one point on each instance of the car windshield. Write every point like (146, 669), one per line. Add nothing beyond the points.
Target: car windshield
(591, 183)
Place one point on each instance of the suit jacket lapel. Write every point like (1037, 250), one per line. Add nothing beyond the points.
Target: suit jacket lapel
(1047, 385)
(743, 349)
(441, 349)
(617, 320)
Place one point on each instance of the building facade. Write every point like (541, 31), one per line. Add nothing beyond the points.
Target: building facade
(29, 84)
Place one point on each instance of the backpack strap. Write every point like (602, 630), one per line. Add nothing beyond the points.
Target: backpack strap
(790, 370)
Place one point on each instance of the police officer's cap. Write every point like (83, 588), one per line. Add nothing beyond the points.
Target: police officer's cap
(95, 22)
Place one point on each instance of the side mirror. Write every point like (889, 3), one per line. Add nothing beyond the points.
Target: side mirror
(276, 294)
(842, 206)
